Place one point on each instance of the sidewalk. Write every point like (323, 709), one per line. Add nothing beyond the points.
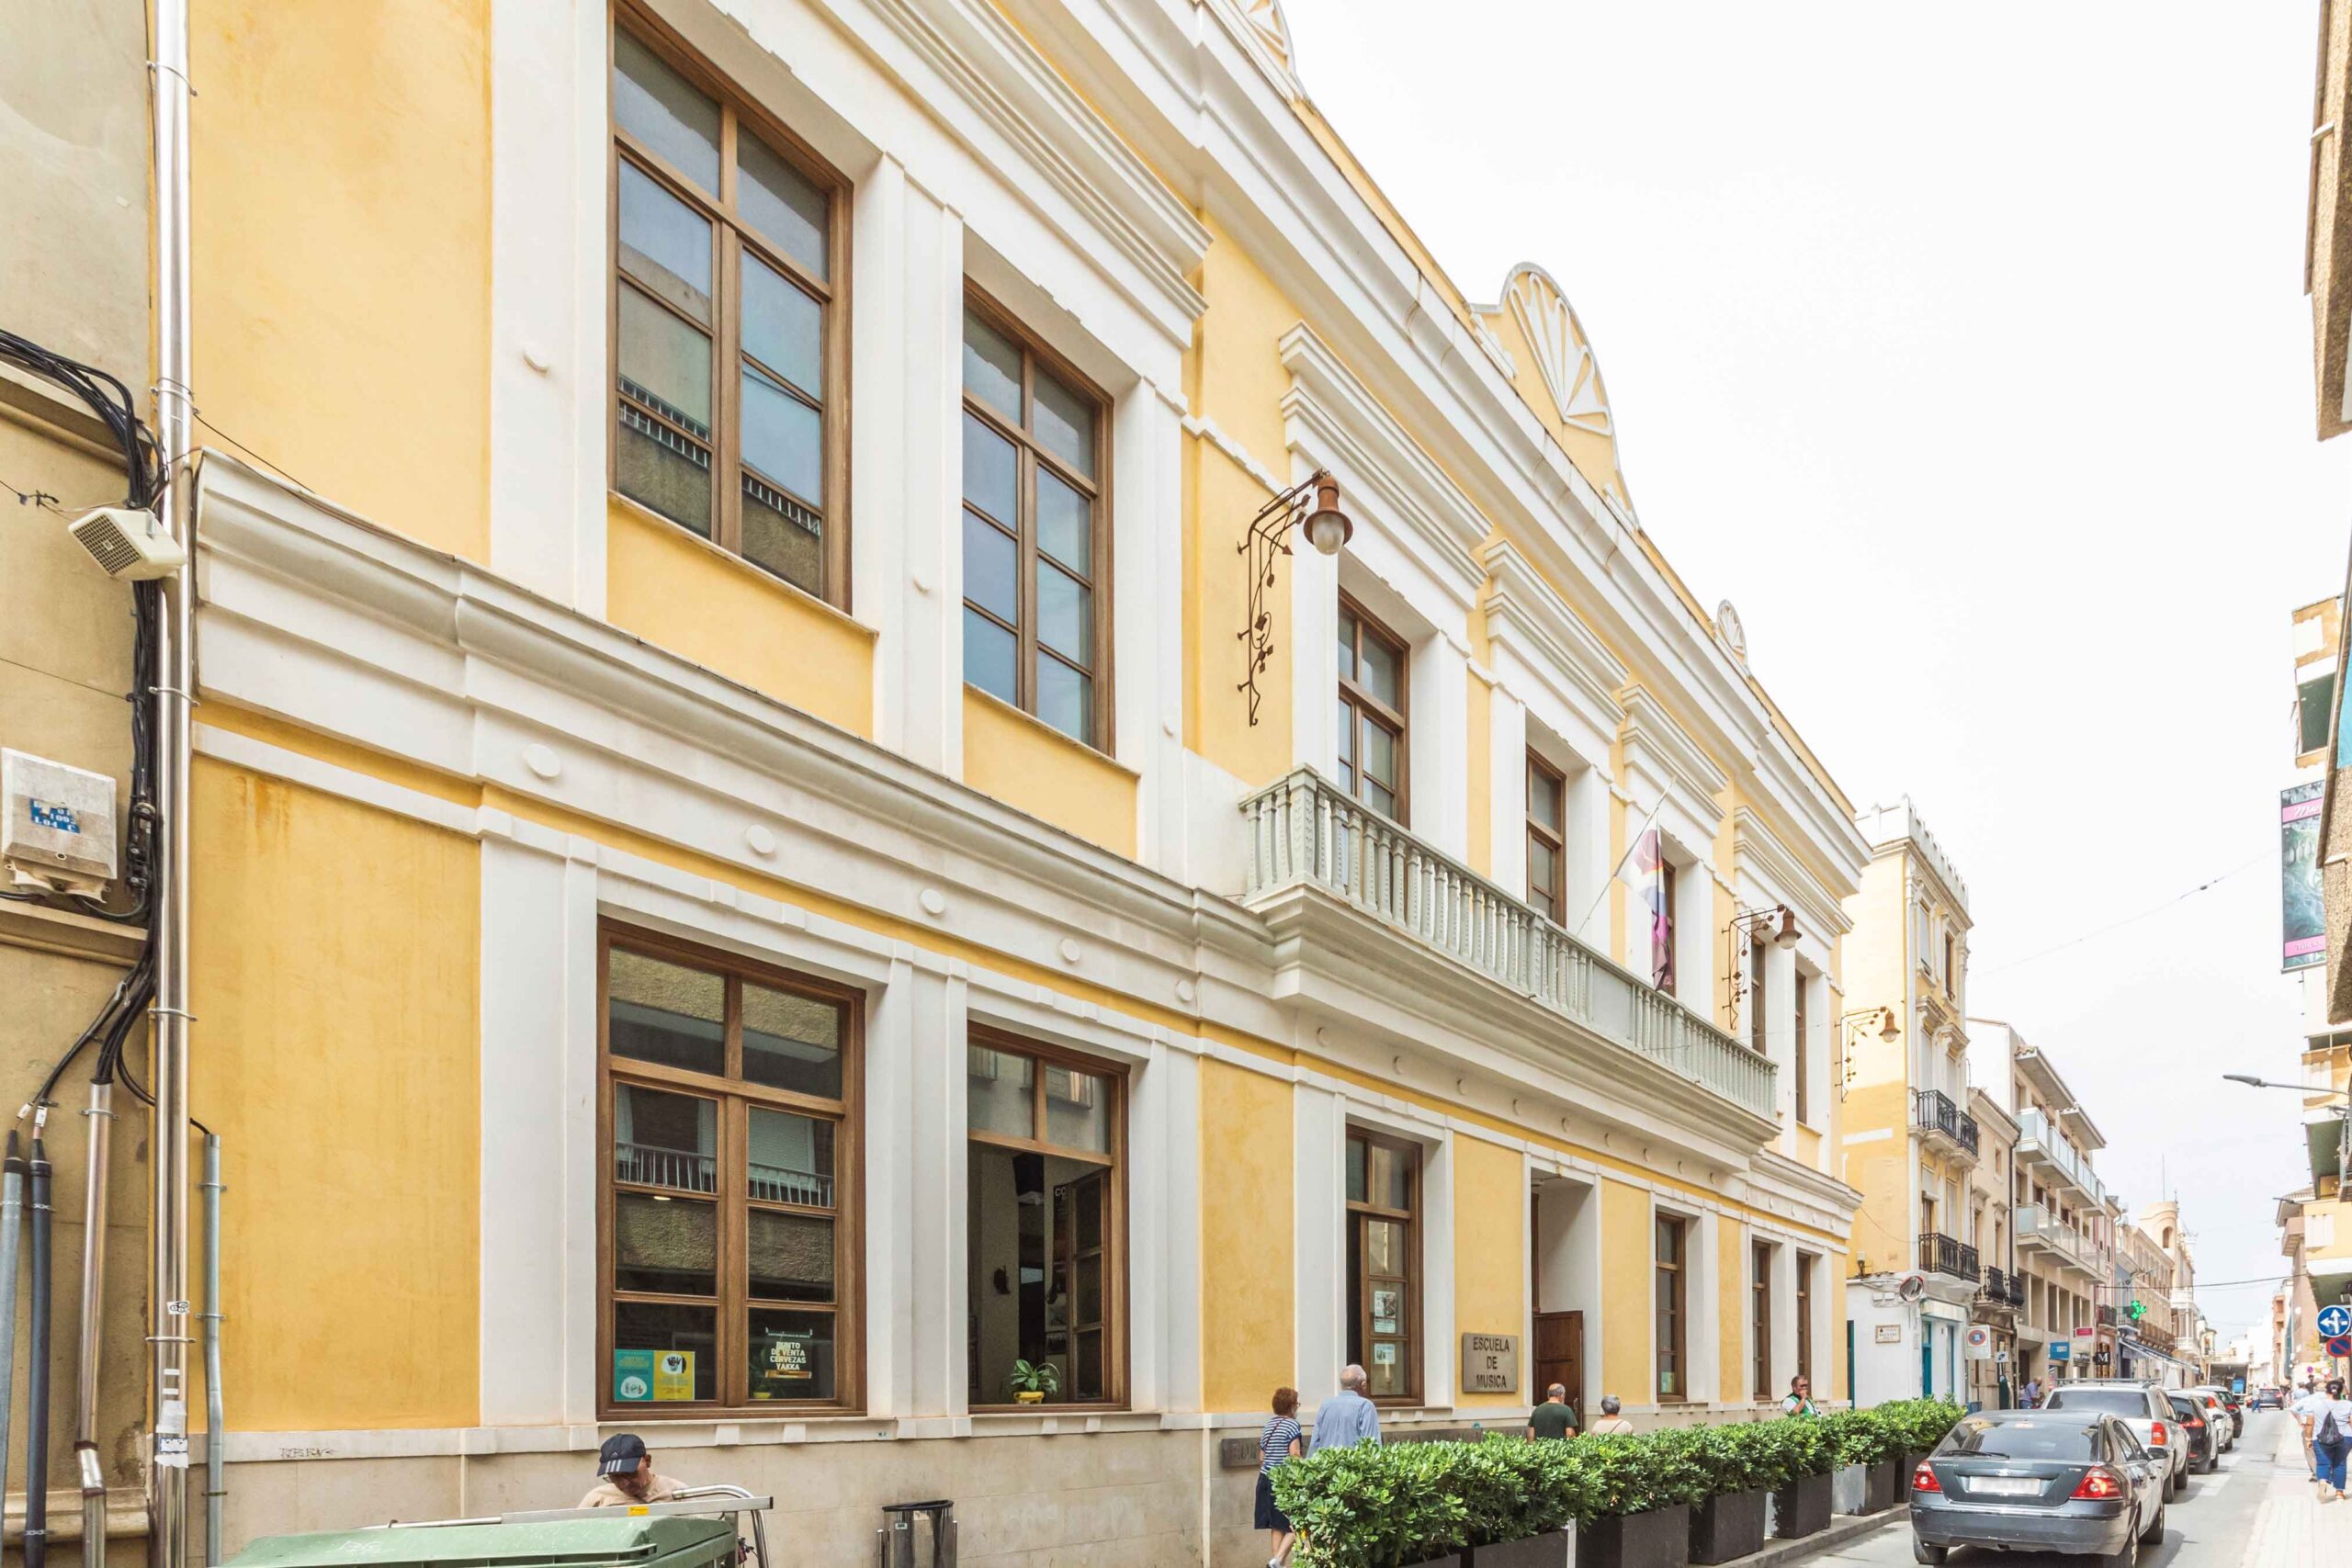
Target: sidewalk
(2293, 1527)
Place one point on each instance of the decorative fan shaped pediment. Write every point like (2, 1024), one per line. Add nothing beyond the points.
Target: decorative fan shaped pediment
(1563, 356)
(1266, 21)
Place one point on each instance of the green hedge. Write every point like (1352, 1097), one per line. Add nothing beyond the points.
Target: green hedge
(1383, 1505)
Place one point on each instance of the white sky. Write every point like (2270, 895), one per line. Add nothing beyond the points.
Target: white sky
(1966, 352)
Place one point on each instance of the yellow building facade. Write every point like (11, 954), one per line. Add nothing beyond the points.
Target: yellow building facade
(773, 869)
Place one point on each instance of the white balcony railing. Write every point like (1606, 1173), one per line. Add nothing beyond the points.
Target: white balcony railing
(1302, 829)
(2035, 1225)
(2037, 1139)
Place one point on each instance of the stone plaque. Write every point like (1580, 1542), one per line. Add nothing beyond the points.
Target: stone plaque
(1490, 1363)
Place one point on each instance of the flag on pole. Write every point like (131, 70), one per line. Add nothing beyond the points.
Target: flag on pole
(1644, 870)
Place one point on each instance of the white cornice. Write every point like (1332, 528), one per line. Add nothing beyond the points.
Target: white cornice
(1755, 843)
(1522, 605)
(1656, 743)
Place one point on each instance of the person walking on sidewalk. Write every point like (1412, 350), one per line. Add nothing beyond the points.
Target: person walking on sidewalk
(1347, 1418)
(2326, 1420)
(1611, 1425)
(1553, 1419)
(1278, 1445)
(1799, 1399)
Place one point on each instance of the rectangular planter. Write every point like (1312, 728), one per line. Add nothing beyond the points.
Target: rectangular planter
(1886, 1484)
(1849, 1485)
(1802, 1507)
(1656, 1538)
(1553, 1548)
(1450, 1559)
(1727, 1526)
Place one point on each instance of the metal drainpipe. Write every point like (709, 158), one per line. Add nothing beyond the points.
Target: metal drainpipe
(36, 1547)
(216, 1421)
(12, 1214)
(175, 432)
(86, 1387)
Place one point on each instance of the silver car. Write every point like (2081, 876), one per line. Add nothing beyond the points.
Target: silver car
(2143, 1408)
(2039, 1481)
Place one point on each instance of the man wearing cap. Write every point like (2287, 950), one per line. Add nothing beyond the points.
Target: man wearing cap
(627, 1473)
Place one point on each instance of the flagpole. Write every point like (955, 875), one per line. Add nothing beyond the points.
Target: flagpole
(1615, 870)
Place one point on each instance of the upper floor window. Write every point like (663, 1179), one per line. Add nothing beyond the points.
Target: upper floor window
(1372, 712)
(1952, 968)
(1547, 791)
(1036, 546)
(1758, 956)
(1671, 1303)
(1384, 1263)
(729, 344)
(1799, 1064)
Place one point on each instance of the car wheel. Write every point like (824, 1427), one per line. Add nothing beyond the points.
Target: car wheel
(2154, 1534)
(1922, 1552)
(2124, 1556)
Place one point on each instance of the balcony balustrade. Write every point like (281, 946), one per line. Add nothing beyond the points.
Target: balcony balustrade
(2036, 1226)
(1942, 1254)
(1939, 1117)
(2041, 1144)
(2002, 1288)
(1302, 830)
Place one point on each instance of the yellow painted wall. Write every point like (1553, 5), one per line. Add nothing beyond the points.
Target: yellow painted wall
(1248, 1317)
(1490, 1252)
(336, 1056)
(1732, 1372)
(341, 161)
(1880, 1101)
(1628, 1362)
(682, 593)
(1030, 765)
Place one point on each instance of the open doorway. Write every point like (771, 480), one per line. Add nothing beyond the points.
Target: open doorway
(1564, 1275)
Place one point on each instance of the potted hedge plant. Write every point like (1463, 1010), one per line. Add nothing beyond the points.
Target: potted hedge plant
(1377, 1506)
(1031, 1382)
(1640, 1491)
(1521, 1500)
(1854, 1444)
(1808, 1454)
(1739, 1465)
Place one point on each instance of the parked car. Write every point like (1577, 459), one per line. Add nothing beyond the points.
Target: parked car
(2140, 1406)
(2069, 1480)
(2229, 1404)
(2204, 1453)
(2270, 1399)
(2225, 1431)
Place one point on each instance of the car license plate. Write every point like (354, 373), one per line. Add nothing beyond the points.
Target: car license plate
(2005, 1485)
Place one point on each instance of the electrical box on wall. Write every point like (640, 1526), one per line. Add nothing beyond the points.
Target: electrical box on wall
(57, 827)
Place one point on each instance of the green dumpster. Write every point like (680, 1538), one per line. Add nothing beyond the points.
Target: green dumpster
(599, 1538)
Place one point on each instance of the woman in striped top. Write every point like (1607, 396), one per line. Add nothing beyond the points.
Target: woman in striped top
(1277, 1445)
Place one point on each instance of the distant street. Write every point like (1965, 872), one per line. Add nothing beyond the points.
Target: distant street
(2221, 1524)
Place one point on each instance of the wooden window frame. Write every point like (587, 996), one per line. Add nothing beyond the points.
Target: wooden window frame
(1672, 1281)
(1805, 1262)
(730, 233)
(1114, 1271)
(1556, 780)
(1357, 1213)
(1760, 964)
(1759, 1266)
(1362, 707)
(1029, 451)
(733, 1303)
(1667, 872)
(1800, 1055)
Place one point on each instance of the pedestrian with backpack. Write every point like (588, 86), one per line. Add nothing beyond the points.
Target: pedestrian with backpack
(2326, 1421)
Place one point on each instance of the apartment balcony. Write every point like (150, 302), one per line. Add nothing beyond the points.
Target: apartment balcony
(1943, 1126)
(2039, 1230)
(2042, 1148)
(2104, 1314)
(1303, 832)
(2002, 1291)
(1942, 1254)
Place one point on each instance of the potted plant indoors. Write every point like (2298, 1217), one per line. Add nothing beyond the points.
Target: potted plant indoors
(1032, 1380)
(1640, 1492)
(1800, 1503)
(1739, 1465)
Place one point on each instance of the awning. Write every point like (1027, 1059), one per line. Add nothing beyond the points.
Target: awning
(2139, 1348)
(2323, 1137)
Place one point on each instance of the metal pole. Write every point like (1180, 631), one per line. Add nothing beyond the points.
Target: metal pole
(216, 1421)
(36, 1369)
(12, 1214)
(175, 432)
(86, 1388)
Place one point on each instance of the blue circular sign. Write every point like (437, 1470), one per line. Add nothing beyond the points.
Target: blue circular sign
(2335, 1321)
(2339, 1345)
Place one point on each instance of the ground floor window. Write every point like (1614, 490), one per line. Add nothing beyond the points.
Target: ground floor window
(1760, 1287)
(1384, 1263)
(1046, 1215)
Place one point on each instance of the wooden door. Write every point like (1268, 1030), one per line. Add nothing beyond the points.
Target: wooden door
(1559, 1359)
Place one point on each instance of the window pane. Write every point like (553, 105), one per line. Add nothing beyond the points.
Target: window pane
(1380, 798)
(791, 1158)
(1379, 754)
(791, 1256)
(990, 656)
(782, 437)
(997, 1096)
(991, 473)
(661, 470)
(781, 202)
(792, 1042)
(1390, 1372)
(664, 1246)
(792, 1355)
(1089, 1289)
(1346, 739)
(663, 1352)
(991, 367)
(1065, 424)
(1065, 524)
(1384, 1254)
(1383, 674)
(1357, 1151)
(1347, 645)
(1543, 869)
(782, 536)
(658, 107)
(784, 329)
(665, 245)
(662, 1139)
(666, 1012)
(666, 363)
(992, 567)
(1390, 1176)
(1065, 614)
(1065, 698)
(1542, 797)
(1077, 1109)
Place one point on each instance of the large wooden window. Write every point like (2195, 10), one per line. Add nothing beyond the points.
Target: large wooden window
(1804, 1316)
(1672, 1280)
(1036, 544)
(1372, 712)
(1758, 958)
(729, 1232)
(1384, 1263)
(729, 339)
(1547, 859)
(1799, 1064)
(1759, 1267)
(1662, 929)
(1046, 1281)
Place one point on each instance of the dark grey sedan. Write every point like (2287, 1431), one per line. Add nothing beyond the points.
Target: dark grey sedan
(2039, 1481)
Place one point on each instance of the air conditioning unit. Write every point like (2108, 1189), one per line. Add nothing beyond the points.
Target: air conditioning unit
(57, 828)
(128, 544)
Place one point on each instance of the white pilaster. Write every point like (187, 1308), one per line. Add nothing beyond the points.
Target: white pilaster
(1164, 1234)
(1147, 520)
(890, 1088)
(1318, 1125)
(1507, 841)
(1439, 703)
(1311, 648)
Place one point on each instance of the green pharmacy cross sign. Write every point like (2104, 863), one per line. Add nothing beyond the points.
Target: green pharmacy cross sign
(2138, 1309)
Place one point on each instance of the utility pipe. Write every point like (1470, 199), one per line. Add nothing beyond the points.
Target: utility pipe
(12, 1222)
(100, 1116)
(175, 631)
(37, 1365)
(216, 1420)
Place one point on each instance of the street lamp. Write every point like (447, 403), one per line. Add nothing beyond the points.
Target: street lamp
(2343, 1117)
(1312, 505)
(1849, 1025)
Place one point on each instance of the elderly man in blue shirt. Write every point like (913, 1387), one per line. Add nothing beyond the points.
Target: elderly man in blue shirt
(1347, 1418)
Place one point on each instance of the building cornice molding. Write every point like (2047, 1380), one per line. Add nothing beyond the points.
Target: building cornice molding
(1754, 842)
(1656, 745)
(1524, 610)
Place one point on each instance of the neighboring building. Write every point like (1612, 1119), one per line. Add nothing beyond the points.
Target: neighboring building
(2193, 1335)
(1911, 1141)
(768, 849)
(2058, 1205)
(1991, 1382)
(2327, 281)
(2150, 1338)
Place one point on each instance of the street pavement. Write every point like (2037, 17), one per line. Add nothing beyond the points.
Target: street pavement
(2257, 1511)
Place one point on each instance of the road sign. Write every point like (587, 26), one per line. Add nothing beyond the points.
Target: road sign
(2335, 1321)
(2060, 1350)
(2340, 1345)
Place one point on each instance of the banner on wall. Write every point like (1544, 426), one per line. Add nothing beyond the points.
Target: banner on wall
(2302, 919)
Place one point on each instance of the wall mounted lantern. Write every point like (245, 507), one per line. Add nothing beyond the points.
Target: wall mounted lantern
(1312, 503)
